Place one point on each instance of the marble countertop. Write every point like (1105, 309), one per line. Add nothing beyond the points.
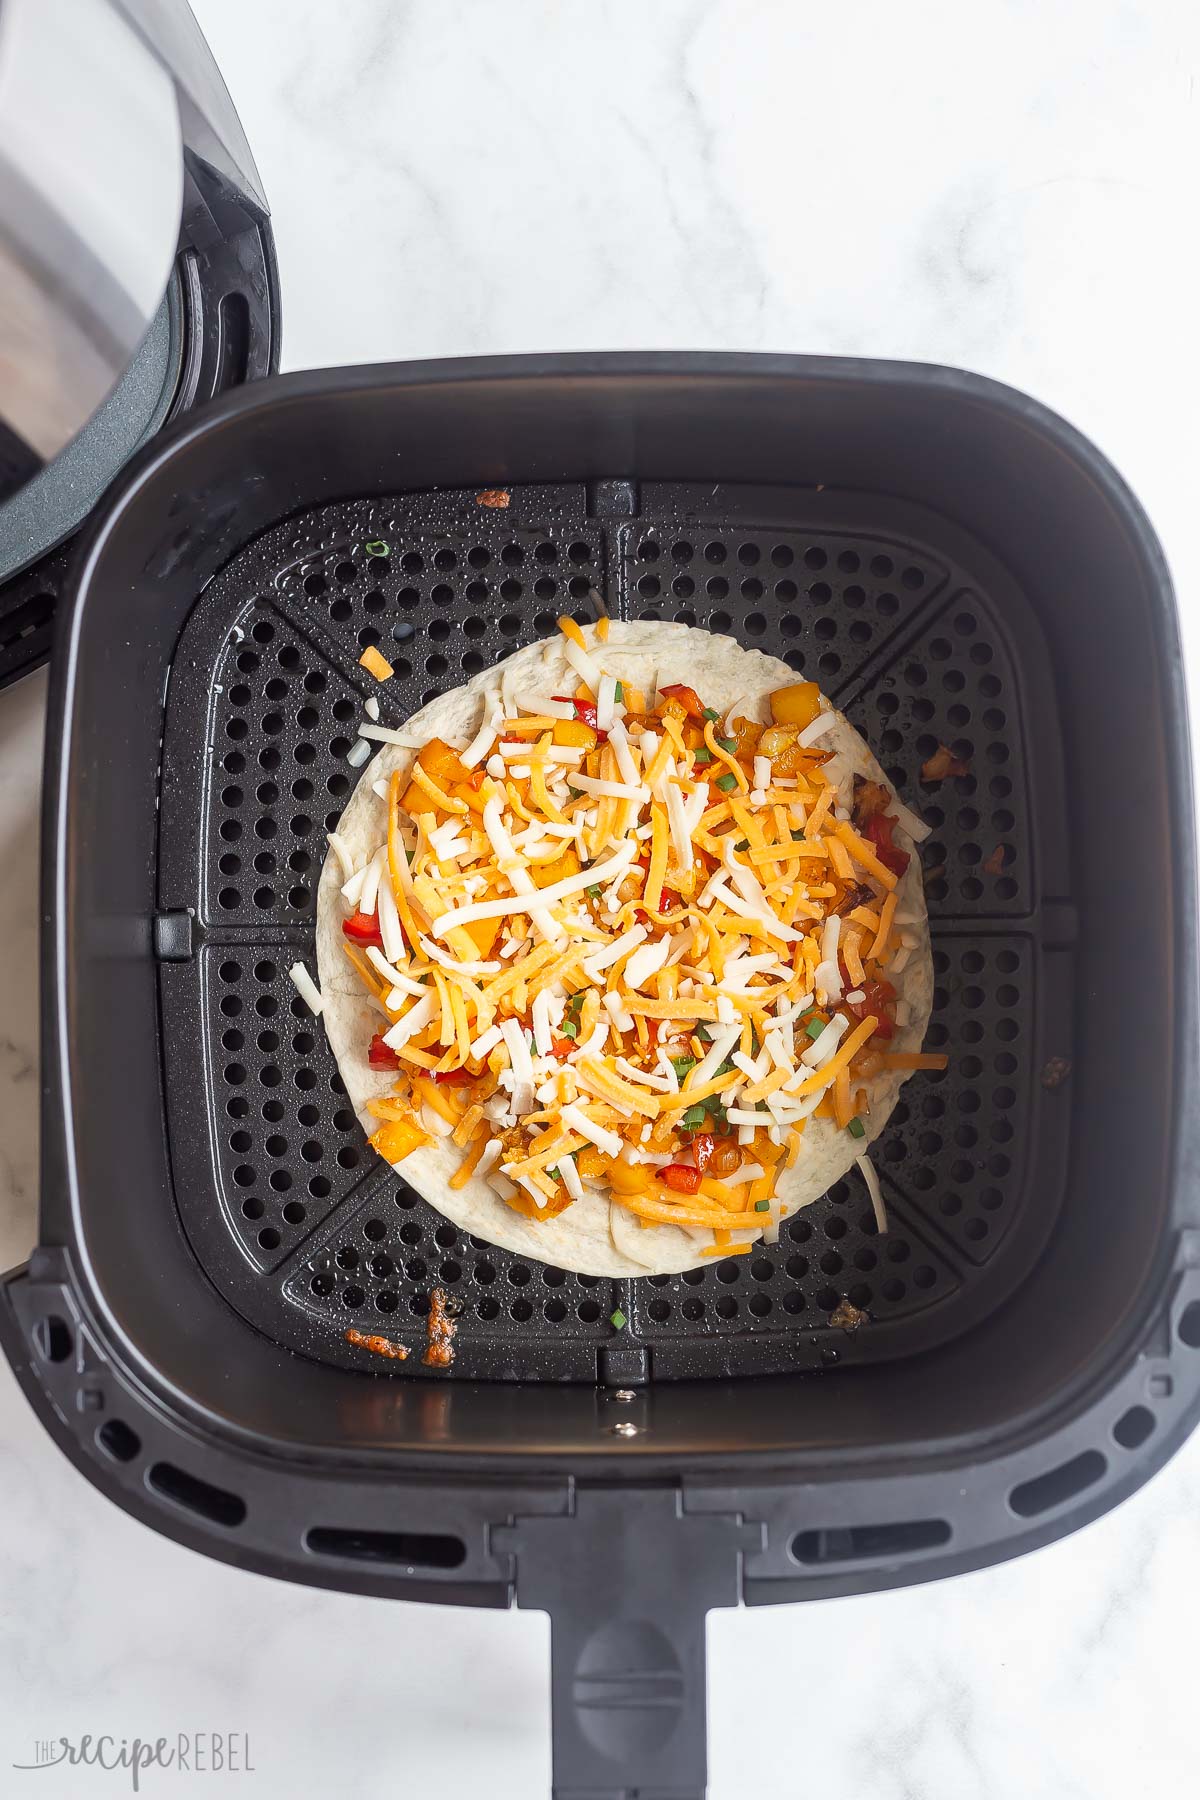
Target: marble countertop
(1005, 186)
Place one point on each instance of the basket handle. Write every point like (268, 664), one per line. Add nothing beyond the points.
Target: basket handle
(628, 1576)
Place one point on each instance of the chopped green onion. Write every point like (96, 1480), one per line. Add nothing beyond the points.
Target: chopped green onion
(619, 694)
(617, 1319)
(704, 1034)
(762, 1206)
(574, 791)
(576, 1001)
(693, 1119)
(701, 756)
(743, 844)
(725, 1068)
(814, 1028)
(593, 892)
(798, 837)
(710, 713)
(681, 1065)
(856, 1128)
(377, 547)
(568, 1029)
(729, 744)
(753, 1042)
(726, 782)
(554, 1174)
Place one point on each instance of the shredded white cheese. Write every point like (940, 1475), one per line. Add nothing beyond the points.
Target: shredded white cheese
(576, 1120)
(369, 896)
(646, 961)
(872, 1180)
(408, 1024)
(384, 734)
(389, 923)
(341, 850)
(306, 987)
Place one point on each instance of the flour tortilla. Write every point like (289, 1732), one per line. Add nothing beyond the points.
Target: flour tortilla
(595, 1236)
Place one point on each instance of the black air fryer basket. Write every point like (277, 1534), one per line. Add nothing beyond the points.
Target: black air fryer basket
(954, 565)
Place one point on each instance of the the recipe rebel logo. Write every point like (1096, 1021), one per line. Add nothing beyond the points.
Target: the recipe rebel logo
(187, 1752)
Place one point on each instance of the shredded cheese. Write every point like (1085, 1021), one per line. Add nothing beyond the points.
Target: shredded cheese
(596, 952)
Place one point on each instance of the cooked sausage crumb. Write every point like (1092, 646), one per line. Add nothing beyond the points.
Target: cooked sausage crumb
(847, 1315)
(942, 764)
(380, 1346)
(1055, 1072)
(497, 497)
(439, 1329)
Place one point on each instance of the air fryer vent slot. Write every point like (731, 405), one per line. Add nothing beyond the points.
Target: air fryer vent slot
(409, 1549)
(211, 1502)
(1057, 1486)
(310, 1235)
(869, 1543)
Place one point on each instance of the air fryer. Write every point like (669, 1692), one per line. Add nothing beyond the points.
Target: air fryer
(953, 563)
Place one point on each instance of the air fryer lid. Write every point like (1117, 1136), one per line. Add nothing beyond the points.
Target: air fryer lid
(136, 263)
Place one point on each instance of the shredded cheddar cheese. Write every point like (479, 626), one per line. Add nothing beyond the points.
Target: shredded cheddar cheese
(376, 664)
(602, 939)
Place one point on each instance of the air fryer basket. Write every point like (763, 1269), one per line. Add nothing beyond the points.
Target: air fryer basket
(953, 565)
(311, 1232)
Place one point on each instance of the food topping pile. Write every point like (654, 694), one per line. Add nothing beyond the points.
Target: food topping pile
(621, 942)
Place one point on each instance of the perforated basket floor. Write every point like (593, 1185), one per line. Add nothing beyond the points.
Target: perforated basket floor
(297, 1222)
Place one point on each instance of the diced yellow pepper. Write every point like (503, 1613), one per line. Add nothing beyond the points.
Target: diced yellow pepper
(396, 1139)
(545, 874)
(483, 933)
(442, 763)
(627, 1178)
(463, 790)
(573, 734)
(415, 800)
(796, 705)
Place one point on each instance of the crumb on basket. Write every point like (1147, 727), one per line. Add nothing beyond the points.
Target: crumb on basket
(376, 664)
(379, 1346)
(1055, 1072)
(942, 764)
(439, 1329)
(496, 497)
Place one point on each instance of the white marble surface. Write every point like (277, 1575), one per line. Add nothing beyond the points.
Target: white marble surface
(1006, 186)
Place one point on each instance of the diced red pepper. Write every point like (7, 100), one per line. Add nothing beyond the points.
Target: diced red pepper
(681, 1178)
(381, 1055)
(876, 1003)
(585, 712)
(687, 697)
(703, 1145)
(879, 829)
(453, 1077)
(363, 928)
